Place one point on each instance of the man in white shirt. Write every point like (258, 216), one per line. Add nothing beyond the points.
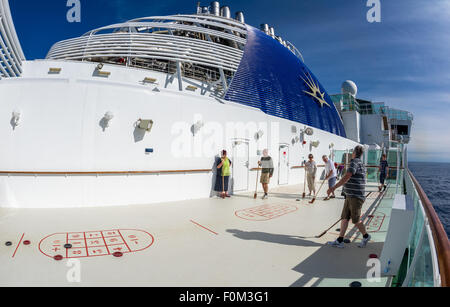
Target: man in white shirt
(331, 175)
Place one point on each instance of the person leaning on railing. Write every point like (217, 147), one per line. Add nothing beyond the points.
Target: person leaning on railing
(224, 165)
(383, 170)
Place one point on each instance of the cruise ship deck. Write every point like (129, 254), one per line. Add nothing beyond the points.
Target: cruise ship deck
(239, 242)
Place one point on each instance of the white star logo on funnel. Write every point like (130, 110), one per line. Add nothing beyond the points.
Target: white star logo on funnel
(315, 91)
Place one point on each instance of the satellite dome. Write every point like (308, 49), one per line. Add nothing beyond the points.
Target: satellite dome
(349, 87)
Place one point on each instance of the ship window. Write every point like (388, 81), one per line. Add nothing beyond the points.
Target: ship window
(401, 129)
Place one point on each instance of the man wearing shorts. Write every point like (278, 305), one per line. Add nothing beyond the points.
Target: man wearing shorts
(354, 184)
(384, 171)
(331, 175)
(266, 164)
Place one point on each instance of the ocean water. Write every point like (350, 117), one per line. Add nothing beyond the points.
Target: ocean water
(435, 180)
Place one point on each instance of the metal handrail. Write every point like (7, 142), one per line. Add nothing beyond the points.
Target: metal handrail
(106, 173)
(441, 240)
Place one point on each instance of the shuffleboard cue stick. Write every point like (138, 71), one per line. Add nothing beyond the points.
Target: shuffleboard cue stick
(256, 189)
(223, 186)
(325, 232)
(315, 197)
(304, 185)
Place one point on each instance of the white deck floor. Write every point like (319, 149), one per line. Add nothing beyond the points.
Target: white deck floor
(209, 242)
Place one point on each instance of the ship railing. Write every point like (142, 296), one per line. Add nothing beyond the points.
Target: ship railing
(429, 247)
(205, 20)
(148, 46)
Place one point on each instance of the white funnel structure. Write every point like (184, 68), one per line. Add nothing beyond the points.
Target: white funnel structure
(11, 55)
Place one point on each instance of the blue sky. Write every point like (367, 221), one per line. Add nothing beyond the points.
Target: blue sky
(403, 61)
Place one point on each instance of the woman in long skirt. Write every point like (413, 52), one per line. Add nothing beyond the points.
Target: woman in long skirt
(223, 175)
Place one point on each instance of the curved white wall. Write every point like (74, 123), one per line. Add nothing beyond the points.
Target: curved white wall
(60, 131)
(11, 54)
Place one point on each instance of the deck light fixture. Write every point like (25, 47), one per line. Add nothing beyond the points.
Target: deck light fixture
(150, 80)
(15, 118)
(100, 73)
(54, 70)
(191, 88)
(197, 127)
(309, 132)
(145, 124)
(315, 144)
(259, 135)
(305, 132)
(109, 116)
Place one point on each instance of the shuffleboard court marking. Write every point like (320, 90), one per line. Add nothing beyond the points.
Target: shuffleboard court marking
(266, 212)
(376, 222)
(124, 241)
(193, 222)
(96, 243)
(20, 242)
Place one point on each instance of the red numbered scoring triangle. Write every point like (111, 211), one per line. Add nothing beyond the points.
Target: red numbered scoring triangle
(95, 243)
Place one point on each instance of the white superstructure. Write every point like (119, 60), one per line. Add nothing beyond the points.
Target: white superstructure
(134, 113)
(11, 54)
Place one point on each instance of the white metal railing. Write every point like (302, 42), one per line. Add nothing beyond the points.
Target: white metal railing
(201, 20)
(11, 54)
(423, 265)
(150, 46)
(172, 26)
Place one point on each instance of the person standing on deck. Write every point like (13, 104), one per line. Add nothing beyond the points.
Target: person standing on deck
(354, 184)
(331, 175)
(223, 174)
(340, 170)
(384, 171)
(268, 169)
(311, 172)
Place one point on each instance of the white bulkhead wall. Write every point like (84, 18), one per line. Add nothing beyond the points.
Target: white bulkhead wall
(61, 131)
